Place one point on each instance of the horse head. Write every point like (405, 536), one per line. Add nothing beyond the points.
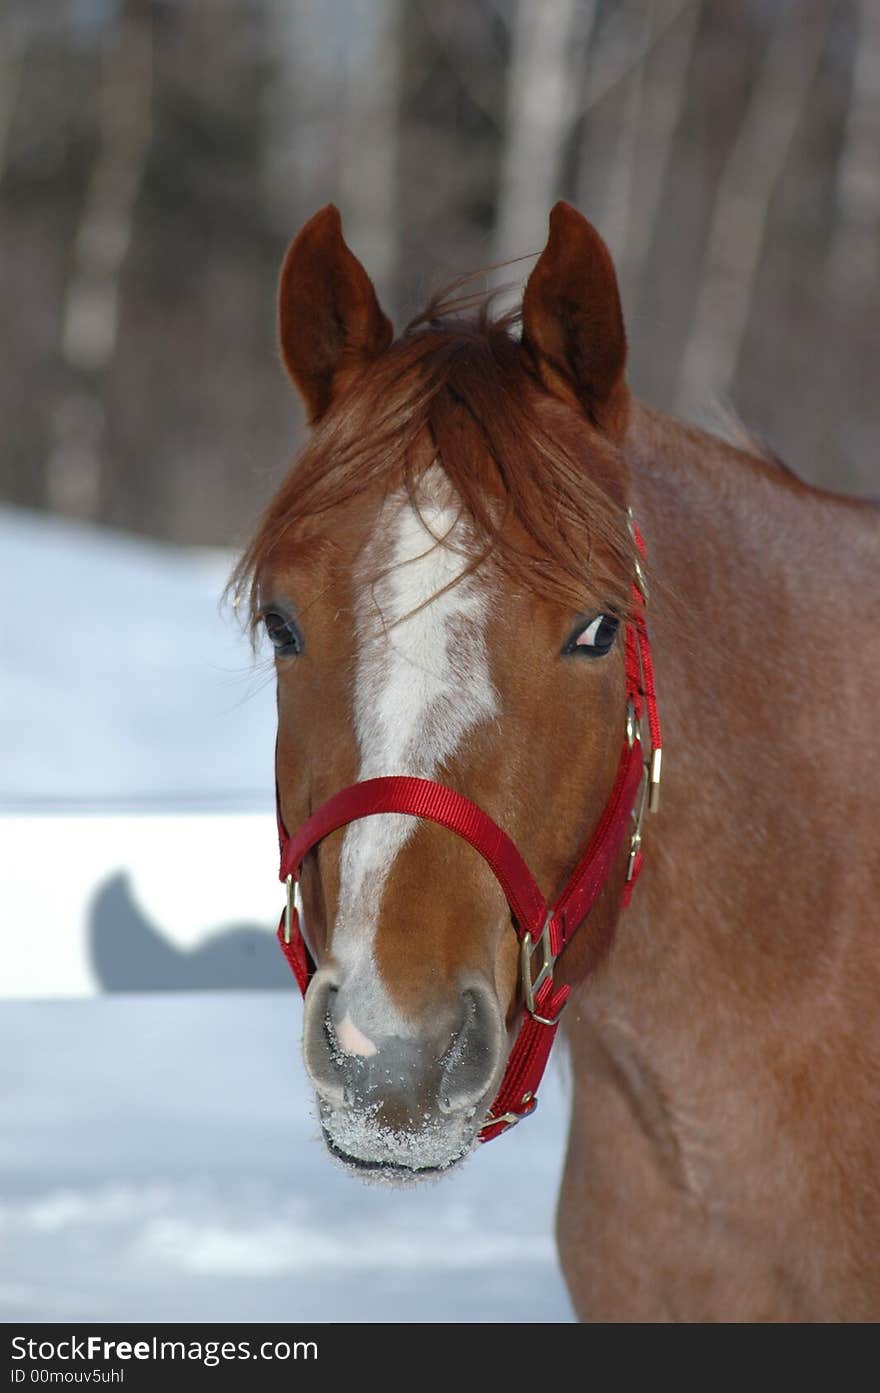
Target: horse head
(445, 576)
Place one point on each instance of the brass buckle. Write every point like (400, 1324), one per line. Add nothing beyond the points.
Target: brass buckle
(647, 801)
(649, 791)
(528, 949)
(638, 813)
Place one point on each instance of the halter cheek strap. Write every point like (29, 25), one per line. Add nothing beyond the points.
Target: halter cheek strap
(543, 932)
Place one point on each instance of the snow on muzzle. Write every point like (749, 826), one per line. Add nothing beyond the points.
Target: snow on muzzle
(395, 1100)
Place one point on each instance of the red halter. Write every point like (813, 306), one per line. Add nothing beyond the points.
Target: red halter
(538, 927)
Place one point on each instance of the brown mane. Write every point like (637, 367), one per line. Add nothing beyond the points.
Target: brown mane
(463, 382)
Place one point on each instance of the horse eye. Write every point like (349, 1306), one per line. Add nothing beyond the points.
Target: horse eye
(597, 638)
(283, 633)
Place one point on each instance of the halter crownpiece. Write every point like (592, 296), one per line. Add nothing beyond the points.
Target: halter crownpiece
(543, 931)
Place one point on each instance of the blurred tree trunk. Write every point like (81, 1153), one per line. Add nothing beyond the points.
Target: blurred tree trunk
(91, 305)
(742, 203)
(845, 441)
(300, 110)
(13, 49)
(613, 217)
(614, 60)
(854, 250)
(369, 144)
(332, 123)
(665, 88)
(540, 108)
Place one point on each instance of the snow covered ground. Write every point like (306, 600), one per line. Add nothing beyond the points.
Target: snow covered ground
(122, 681)
(158, 1158)
(159, 1161)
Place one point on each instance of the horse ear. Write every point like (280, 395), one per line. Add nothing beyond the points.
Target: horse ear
(573, 324)
(330, 323)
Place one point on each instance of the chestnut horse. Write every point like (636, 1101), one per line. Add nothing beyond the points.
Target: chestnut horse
(446, 576)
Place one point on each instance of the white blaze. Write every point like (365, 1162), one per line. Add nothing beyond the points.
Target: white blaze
(422, 683)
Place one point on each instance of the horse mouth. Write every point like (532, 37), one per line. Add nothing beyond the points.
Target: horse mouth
(371, 1151)
(389, 1170)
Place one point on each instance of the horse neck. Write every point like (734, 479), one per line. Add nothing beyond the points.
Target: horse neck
(750, 603)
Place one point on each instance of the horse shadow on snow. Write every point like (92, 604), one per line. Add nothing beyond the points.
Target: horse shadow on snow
(130, 954)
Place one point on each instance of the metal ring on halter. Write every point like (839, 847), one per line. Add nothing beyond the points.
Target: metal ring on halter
(632, 725)
(510, 1119)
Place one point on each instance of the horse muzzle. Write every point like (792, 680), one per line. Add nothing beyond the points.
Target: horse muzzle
(402, 1102)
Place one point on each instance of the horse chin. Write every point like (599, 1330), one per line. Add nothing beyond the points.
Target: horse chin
(367, 1147)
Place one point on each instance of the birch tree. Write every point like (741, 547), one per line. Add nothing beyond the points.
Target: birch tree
(540, 107)
(332, 123)
(90, 317)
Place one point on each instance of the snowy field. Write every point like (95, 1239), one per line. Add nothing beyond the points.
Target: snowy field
(159, 1158)
(159, 1161)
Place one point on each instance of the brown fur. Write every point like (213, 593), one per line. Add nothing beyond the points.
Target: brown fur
(739, 1006)
(724, 1034)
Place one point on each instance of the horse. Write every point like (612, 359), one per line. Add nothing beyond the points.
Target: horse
(451, 576)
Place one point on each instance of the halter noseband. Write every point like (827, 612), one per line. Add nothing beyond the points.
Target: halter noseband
(541, 930)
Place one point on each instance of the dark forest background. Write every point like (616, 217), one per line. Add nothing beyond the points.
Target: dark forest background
(157, 155)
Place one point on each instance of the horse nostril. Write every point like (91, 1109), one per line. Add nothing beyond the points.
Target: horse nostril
(350, 1039)
(318, 1047)
(476, 1052)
